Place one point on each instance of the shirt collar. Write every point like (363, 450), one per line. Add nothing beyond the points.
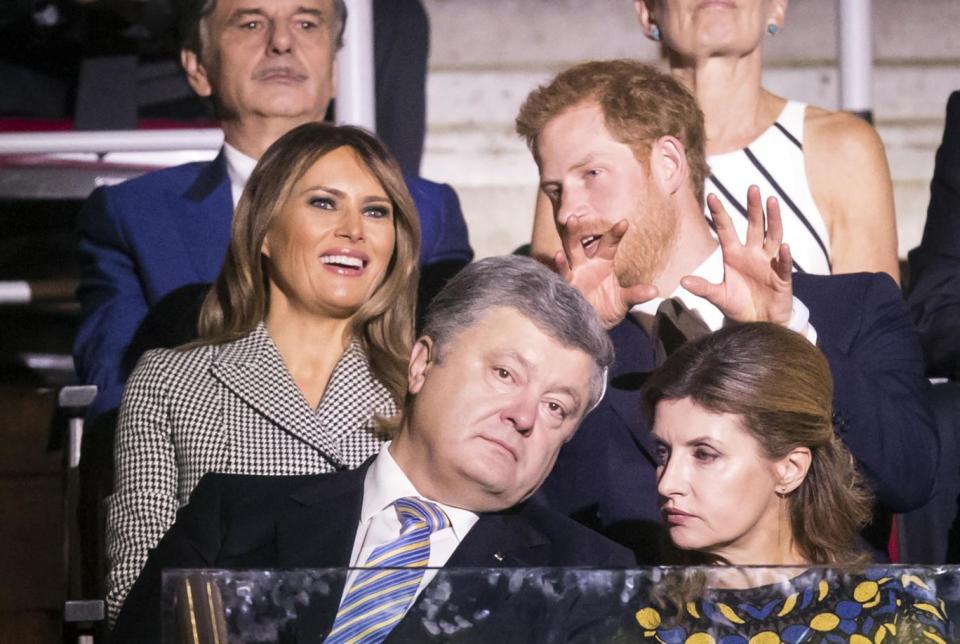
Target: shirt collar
(239, 168)
(385, 483)
(711, 269)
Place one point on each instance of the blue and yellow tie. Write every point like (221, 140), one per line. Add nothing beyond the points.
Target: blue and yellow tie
(379, 598)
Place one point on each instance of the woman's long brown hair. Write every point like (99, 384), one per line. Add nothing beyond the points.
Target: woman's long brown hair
(239, 299)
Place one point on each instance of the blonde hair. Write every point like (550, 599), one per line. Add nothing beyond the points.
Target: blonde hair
(239, 299)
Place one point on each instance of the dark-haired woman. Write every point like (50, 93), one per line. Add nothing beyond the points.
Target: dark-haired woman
(303, 340)
(751, 473)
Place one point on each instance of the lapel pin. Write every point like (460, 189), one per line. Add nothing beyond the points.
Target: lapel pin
(498, 556)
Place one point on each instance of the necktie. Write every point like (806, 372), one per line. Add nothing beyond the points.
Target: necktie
(674, 326)
(379, 598)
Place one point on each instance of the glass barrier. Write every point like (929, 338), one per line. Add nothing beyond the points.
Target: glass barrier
(695, 605)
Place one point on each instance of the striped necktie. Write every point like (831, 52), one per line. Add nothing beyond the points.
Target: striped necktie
(379, 598)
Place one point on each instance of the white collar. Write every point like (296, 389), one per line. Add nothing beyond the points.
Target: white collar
(711, 269)
(385, 483)
(239, 169)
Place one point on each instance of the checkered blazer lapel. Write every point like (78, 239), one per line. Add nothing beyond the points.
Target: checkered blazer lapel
(253, 370)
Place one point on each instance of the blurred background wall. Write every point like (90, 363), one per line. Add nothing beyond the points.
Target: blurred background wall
(487, 55)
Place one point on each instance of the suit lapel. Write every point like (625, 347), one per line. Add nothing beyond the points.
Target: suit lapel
(253, 370)
(206, 212)
(319, 533)
(635, 360)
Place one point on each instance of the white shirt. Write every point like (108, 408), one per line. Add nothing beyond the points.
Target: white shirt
(385, 482)
(239, 168)
(711, 270)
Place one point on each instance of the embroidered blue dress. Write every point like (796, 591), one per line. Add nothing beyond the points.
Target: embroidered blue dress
(881, 605)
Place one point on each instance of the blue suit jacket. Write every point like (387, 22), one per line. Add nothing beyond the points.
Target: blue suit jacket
(146, 237)
(605, 476)
(311, 522)
(935, 264)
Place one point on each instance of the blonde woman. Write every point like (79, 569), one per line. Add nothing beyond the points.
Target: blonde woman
(303, 344)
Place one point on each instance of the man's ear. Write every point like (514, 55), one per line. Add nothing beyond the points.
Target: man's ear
(421, 359)
(196, 72)
(792, 469)
(668, 164)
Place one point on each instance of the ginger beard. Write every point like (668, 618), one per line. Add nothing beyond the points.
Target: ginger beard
(649, 240)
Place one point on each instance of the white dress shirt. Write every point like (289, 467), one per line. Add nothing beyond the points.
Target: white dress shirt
(385, 482)
(712, 270)
(239, 168)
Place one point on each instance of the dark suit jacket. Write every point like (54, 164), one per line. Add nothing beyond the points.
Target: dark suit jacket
(605, 476)
(310, 522)
(144, 238)
(935, 264)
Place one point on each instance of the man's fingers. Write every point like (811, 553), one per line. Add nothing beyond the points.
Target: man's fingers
(774, 225)
(703, 288)
(570, 238)
(784, 263)
(607, 245)
(561, 265)
(755, 227)
(721, 221)
(638, 294)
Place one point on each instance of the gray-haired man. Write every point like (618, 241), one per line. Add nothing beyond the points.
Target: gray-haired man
(511, 360)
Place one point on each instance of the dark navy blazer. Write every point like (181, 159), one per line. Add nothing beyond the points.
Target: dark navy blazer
(235, 521)
(605, 476)
(935, 264)
(148, 236)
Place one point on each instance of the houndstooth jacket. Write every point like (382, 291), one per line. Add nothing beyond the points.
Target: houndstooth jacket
(231, 408)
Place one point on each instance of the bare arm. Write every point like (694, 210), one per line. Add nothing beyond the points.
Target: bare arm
(850, 180)
(545, 242)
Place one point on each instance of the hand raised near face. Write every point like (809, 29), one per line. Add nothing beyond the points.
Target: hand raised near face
(591, 271)
(757, 275)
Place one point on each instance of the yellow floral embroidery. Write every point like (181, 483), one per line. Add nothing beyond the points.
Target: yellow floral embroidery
(906, 580)
(824, 589)
(824, 622)
(788, 605)
(928, 608)
(700, 638)
(865, 591)
(727, 612)
(648, 618)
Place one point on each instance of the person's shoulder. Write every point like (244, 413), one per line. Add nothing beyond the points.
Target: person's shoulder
(424, 189)
(254, 488)
(175, 179)
(862, 286)
(171, 366)
(842, 135)
(577, 544)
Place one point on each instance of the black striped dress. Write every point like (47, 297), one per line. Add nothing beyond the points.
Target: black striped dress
(774, 162)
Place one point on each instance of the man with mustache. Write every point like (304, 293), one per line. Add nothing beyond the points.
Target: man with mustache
(510, 361)
(267, 67)
(620, 148)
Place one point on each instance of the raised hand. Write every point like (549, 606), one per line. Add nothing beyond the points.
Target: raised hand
(591, 271)
(757, 275)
